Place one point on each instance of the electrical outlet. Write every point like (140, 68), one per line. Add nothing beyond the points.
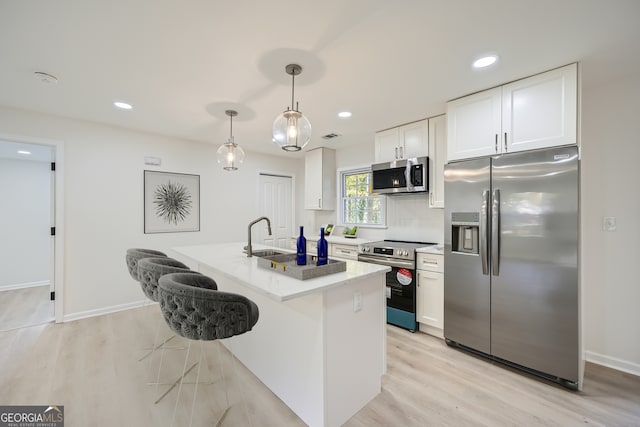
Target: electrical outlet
(357, 301)
(609, 223)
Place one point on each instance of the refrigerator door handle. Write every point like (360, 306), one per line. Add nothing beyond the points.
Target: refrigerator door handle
(484, 230)
(495, 233)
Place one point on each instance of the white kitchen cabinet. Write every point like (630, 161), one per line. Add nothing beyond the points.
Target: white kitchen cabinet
(320, 179)
(312, 247)
(541, 111)
(342, 251)
(535, 112)
(437, 157)
(430, 293)
(402, 142)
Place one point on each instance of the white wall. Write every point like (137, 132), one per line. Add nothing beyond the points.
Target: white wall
(408, 216)
(25, 218)
(610, 187)
(103, 201)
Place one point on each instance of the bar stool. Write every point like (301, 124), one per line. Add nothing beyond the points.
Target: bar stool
(136, 254)
(193, 308)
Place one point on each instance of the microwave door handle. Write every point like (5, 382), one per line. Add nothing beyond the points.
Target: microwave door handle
(484, 230)
(495, 233)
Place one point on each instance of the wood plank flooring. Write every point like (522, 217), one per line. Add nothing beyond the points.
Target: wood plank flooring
(25, 307)
(91, 366)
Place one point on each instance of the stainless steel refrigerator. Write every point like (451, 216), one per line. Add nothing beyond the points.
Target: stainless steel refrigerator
(511, 260)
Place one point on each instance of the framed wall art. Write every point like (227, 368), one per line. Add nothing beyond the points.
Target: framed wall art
(171, 202)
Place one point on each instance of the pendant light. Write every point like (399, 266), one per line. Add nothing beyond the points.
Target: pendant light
(292, 130)
(230, 154)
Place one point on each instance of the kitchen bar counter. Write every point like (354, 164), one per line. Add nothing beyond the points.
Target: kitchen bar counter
(229, 260)
(319, 344)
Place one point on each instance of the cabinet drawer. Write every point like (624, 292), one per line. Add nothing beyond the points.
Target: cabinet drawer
(344, 251)
(430, 262)
(312, 247)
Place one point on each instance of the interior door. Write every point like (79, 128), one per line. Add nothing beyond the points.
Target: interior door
(534, 288)
(276, 203)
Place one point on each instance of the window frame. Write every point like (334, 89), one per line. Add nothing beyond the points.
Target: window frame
(341, 180)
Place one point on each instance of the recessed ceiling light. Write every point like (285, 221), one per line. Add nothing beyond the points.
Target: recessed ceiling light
(24, 152)
(344, 114)
(123, 105)
(485, 61)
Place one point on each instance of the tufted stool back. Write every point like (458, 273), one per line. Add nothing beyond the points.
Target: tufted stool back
(150, 270)
(194, 308)
(136, 254)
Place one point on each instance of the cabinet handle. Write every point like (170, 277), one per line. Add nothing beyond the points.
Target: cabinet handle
(401, 152)
(319, 203)
(505, 142)
(496, 149)
(396, 153)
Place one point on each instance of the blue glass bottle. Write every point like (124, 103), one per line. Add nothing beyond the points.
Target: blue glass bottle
(301, 246)
(323, 248)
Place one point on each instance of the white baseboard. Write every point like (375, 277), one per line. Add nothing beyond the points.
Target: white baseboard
(11, 287)
(431, 330)
(105, 310)
(613, 362)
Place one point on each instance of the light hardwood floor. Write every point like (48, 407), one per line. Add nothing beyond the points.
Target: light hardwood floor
(91, 367)
(25, 307)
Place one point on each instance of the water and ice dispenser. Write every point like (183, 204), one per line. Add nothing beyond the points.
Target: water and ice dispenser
(465, 228)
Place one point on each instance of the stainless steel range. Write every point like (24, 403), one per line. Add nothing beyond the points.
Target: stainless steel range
(401, 280)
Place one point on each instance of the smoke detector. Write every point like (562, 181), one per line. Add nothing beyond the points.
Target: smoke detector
(45, 77)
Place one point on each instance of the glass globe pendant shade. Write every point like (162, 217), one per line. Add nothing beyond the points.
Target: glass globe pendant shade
(291, 130)
(230, 155)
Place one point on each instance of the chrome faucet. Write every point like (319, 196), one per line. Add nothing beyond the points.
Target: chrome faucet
(249, 249)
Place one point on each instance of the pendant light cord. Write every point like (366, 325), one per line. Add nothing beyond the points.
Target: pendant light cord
(293, 82)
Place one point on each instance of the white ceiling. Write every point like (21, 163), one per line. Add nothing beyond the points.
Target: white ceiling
(181, 64)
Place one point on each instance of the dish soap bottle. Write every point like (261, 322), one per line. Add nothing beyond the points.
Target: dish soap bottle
(323, 248)
(301, 246)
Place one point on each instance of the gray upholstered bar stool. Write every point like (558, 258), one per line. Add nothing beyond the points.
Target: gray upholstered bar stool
(136, 254)
(149, 272)
(194, 309)
(133, 256)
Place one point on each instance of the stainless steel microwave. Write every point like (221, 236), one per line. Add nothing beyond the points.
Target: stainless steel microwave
(401, 176)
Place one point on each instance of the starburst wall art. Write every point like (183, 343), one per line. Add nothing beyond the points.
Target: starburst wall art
(171, 202)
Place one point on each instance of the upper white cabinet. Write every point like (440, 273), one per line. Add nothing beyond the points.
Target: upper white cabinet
(320, 179)
(536, 112)
(437, 156)
(402, 142)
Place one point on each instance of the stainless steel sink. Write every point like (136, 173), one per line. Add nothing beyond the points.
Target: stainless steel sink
(267, 252)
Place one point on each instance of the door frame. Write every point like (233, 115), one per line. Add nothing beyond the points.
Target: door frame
(293, 192)
(57, 254)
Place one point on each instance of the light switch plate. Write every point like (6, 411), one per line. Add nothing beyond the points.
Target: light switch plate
(609, 223)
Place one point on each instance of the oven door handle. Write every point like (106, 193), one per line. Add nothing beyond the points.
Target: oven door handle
(386, 261)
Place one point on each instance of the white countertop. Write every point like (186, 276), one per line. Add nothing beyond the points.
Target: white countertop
(432, 249)
(229, 260)
(347, 240)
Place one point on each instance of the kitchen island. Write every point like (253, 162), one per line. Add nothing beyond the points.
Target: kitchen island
(319, 344)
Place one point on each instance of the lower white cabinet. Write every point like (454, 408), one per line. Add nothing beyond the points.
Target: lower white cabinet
(337, 250)
(430, 293)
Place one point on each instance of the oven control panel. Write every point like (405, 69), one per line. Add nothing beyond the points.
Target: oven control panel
(387, 251)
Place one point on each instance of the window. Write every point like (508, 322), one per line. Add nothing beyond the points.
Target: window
(359, 206)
